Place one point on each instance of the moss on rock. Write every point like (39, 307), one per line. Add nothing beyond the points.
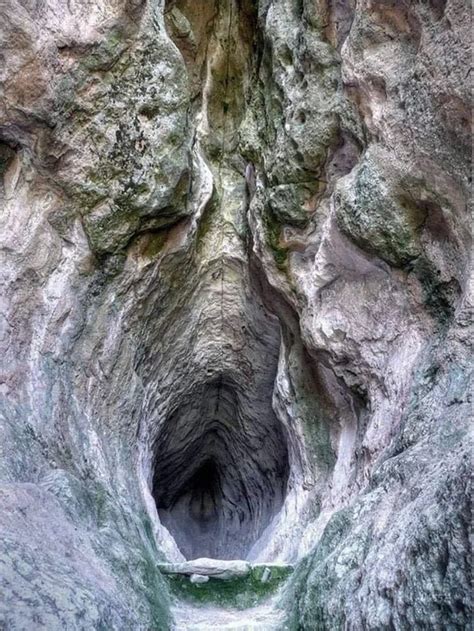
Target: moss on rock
(240, 593)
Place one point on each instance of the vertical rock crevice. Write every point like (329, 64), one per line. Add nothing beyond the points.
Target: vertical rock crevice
(220, 454)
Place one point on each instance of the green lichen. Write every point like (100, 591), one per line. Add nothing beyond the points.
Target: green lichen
(439, 296)
(6, 156)
(100, 105)
(156, 592)
(303, 598)
(288, 202)
(106, 53)
(379, 221)
(155, 244)
(273, 237)
(111, 232)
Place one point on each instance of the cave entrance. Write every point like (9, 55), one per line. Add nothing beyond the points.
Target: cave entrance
(221, 471)
(220, 458)
(193, 513)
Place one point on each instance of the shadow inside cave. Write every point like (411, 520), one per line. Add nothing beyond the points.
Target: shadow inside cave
(220, 472)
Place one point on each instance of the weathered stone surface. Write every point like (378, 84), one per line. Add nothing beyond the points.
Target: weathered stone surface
(236, 312)
(216, 568)
(198, 579)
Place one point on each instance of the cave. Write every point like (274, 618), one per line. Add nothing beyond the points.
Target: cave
(220, 455)
(216, 484)
(236, 315)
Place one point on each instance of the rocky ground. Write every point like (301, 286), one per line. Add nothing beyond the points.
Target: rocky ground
(236, 313)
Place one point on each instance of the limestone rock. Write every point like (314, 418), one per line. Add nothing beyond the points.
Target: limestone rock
(198, 579)
(215, 568)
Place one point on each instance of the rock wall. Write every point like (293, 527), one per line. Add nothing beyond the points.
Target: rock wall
(235, 311)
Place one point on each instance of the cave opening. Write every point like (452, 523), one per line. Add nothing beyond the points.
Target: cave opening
(220, 456)
(220, 472)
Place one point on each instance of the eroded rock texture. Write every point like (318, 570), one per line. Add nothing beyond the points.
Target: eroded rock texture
(235, 307)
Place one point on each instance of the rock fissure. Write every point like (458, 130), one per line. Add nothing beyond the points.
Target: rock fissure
(221, 459)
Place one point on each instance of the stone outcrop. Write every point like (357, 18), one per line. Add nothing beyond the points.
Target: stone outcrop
(235, 312)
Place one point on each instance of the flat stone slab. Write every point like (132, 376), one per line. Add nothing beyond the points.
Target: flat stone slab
(215, 568)
(221, 569)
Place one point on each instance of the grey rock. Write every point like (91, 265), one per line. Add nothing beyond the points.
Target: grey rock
(215, 568)
(198, 579)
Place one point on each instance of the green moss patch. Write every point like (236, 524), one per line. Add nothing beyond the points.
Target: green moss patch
(155, 243)
(240, 593)
(439, 297)
(273, 236)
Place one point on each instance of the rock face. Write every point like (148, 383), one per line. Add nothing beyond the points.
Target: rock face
(235, 309)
